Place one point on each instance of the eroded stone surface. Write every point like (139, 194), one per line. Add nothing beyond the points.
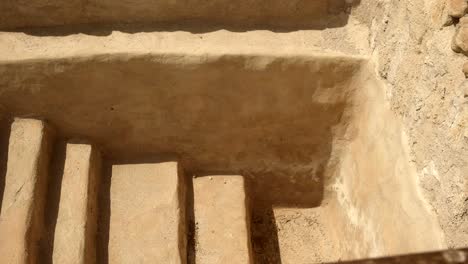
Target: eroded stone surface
(460, 40)
(147, 214)
(465, 69)
(457, 8)
(22, 214)
(221, 220)
(422, 76)
(75, 233)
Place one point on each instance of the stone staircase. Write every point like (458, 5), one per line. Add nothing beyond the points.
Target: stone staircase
(199, 132)
(148, 220)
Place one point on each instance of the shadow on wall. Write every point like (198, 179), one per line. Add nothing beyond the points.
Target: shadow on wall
(274, 125)
(104, 214)
(53, 200)
(288, 188)
(300, 187)
(5, 128)
(104, 18)
(269, 191)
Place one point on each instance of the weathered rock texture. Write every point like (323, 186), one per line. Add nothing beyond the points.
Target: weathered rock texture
(457, 8)
(22, 214)
(222, 221)
(422, 76)
(147, 221)
(460, 39)
(75, 232)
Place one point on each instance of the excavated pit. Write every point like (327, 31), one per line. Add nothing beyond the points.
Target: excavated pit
(270, 117)
(270, 92)
(312, 134)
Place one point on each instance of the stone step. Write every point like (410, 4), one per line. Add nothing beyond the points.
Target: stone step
(147, 220)
(75, 232)
(239, 13)
(222, 229)
(22, 213)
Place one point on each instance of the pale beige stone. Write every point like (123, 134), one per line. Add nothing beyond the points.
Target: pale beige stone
(75, 232)
(147, 214)
(460, 39)
(22, 214)
(221, 220)
(457, 8)
(440, 14)
(465, 69)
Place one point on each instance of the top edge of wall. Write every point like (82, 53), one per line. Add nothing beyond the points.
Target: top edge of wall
(187, 58)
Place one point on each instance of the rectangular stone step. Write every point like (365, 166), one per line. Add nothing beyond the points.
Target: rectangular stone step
(222, 226)
(75, 232)
(147, 214)
(22, 213)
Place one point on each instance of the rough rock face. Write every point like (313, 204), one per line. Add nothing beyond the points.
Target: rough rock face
(460, 40)
(423, 77)
(457, 8)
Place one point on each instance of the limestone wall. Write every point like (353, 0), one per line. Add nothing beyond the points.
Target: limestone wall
(410, 43)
